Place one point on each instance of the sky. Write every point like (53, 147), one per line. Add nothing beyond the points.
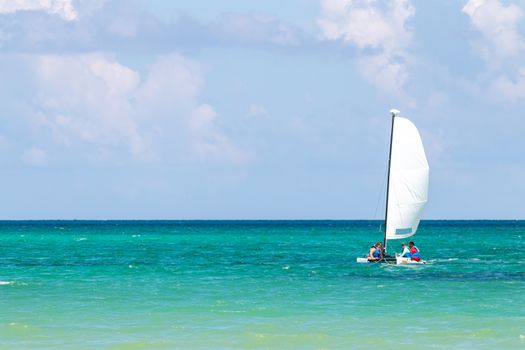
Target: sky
(245, 109)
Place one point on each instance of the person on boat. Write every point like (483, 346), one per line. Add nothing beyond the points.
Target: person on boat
(376, 252)
(415, 255)
(406, 251)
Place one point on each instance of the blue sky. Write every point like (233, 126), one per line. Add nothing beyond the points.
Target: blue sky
(244, 109)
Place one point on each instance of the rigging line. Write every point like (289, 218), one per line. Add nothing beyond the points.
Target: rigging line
(381, 190)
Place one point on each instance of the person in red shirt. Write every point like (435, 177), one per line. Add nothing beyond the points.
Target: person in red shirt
(414, 252)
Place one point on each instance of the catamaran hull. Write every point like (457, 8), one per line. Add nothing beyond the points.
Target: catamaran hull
(391, 260)
(387, 260)
(407, 261)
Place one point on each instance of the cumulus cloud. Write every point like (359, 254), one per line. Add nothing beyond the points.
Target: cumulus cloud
(184, 127)
(92, 104)
(85, 98)
(498, 25)
(501, 46)
(205, 139)
(378, 29)
(503, 88)
(367, 23)
(254, 28)
(129, 25)
(62, 8)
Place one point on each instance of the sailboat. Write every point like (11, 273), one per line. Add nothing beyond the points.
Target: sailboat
(407, 185)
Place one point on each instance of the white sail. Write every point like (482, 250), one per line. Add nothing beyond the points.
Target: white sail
(408, 182)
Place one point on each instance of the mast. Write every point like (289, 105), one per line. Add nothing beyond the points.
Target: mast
(394, 112)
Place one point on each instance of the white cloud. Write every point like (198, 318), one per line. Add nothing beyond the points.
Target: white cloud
(366, 23)
(119, 79)
(62, 8)
(85, 98)
(506, 89)
(498, 25)
(172, 81)
(206, 141)
(169, 99)
(501, 46)
(132, 26)
(255, 28)
(34, 157)
(91, 103)
(384, 72)
(378, 29)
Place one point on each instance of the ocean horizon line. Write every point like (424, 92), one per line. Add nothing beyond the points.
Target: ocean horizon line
(250, 220)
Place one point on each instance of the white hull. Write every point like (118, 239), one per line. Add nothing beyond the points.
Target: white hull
(407, 261)
(399, 261)
(388, 260)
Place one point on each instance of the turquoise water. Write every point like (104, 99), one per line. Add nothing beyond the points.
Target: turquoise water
(258, 285)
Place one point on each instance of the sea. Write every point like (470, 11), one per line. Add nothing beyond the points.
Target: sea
(258, 285)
